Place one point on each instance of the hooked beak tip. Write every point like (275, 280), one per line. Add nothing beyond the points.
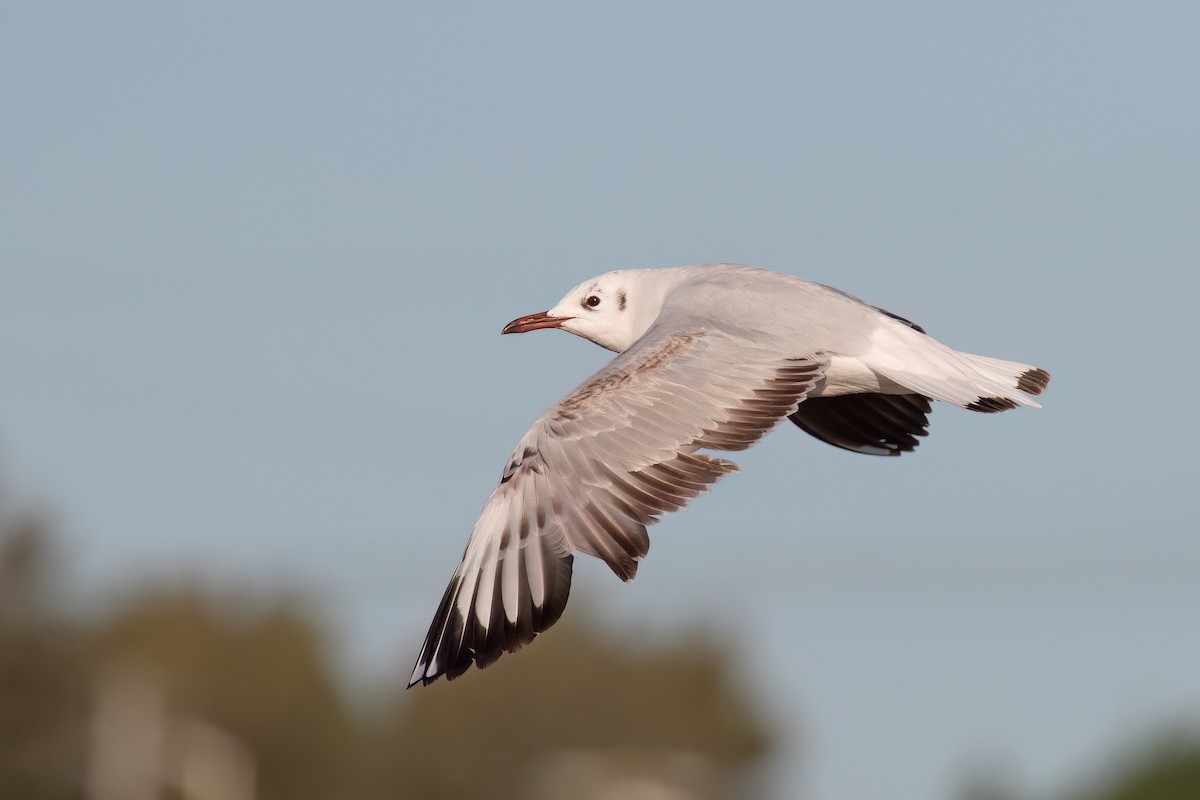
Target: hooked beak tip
(533, 322)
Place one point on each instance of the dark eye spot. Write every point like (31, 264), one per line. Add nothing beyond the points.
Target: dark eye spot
(592, 301)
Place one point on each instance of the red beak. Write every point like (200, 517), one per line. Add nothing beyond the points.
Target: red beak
(533, 322)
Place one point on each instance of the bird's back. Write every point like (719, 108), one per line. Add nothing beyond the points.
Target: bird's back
(802, 316)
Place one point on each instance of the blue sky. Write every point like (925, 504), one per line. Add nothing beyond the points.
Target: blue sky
(254, 261)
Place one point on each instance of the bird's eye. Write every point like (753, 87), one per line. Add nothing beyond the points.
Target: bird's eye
(592, 301)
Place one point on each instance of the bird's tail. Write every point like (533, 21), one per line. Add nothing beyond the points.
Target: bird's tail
(978, 383)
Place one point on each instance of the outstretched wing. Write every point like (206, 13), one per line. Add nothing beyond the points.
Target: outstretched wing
(594, 470)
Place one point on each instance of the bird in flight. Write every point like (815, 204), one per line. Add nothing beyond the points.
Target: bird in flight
(711, 358)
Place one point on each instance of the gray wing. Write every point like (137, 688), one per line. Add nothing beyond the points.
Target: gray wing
(594, 470)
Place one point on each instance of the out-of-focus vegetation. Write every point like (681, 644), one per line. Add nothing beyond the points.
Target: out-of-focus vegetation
(179, 692)
(1166, 767)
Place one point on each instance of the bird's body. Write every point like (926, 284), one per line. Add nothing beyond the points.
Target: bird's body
(711, 357)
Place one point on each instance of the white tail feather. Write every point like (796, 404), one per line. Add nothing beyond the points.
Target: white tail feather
(925, 365)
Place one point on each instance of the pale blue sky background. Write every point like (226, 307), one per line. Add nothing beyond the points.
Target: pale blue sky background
(254, 262)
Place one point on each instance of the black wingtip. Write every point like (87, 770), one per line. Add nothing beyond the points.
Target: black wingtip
(992, 405)
(1034, 381)
(454, 644)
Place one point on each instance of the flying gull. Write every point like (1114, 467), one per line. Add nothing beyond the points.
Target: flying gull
(711, 358)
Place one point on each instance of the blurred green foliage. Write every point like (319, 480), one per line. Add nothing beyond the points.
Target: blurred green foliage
(574, 692)
(43, 675)
(575, 711)
(261, 672)
(1164, 767)
(1167, 770)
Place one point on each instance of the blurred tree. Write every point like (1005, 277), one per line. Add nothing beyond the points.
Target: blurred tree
(261, 676)
(246, 679)
(489, 733)
(98, 708)
(1166, 769)
(43, 681)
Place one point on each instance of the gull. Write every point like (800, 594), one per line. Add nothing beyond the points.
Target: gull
(711, 358)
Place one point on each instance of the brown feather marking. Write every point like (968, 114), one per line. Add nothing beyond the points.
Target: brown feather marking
(580, 398)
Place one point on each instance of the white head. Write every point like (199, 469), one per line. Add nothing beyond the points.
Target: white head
(612, 310)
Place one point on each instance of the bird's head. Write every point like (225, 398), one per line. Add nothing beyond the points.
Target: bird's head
(612, 310)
